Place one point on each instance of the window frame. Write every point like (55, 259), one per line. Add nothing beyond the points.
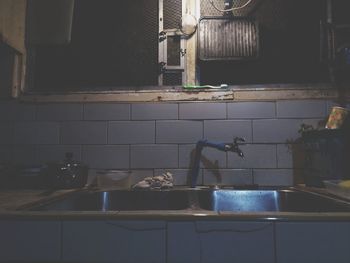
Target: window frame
(264, 92)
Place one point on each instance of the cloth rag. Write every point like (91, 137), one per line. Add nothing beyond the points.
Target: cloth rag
(164, 181)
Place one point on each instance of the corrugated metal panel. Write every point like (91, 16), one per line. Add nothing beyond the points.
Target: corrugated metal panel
(208, 10)
(222, 38)
(271, 14)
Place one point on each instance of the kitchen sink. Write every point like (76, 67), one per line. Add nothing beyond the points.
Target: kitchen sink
(197, 199)
(269, 200)
(118, 200)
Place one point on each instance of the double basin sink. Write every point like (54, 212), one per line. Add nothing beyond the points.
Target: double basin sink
(289, 200)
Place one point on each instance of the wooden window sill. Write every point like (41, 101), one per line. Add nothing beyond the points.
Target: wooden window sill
(270, 92)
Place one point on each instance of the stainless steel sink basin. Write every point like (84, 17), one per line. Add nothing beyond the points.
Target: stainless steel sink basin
(118, 200)
(197, 199)
(268, 200)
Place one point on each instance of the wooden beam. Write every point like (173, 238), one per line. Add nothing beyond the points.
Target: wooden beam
(285, 94)
(12, 32)
(12, 23)
(148, 96)
(18, 75)
(192, 8)
(260, 93)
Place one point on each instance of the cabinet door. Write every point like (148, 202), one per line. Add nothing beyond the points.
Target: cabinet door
(321, 242)
(210, 242)
(114, 241)
(30, 241)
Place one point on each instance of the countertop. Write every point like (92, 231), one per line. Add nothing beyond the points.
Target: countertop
(14, 202)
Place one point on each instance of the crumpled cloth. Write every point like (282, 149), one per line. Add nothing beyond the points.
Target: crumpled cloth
(164, 181)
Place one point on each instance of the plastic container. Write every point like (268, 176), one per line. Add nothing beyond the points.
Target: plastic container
(114, 179)
(337, 118)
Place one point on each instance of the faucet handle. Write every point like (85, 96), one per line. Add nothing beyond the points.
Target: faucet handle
(238, 140)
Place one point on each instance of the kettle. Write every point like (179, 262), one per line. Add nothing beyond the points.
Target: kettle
(66, 174)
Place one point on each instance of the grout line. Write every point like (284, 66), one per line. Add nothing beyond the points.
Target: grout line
(12, 128)
(325, 108)
(274, 243)
(82, 111)
(253, 176)
(276, 115)
(178, 156)
(36, 153)
(81, 152)
(35, 112)
(252, 129)
(203, 123)
(60, 132)
(155, 131)
(129, 146)
(61, 240)
(276, 153)
(107, 132)
(130, 112)
(166, 241)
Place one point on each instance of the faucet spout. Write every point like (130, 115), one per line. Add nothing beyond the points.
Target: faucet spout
(233, 147)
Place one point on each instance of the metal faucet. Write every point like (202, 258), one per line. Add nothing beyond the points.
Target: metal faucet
(226, 147)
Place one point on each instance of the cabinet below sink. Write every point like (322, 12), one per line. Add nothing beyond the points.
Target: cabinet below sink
(158, 241)
(188, 227)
